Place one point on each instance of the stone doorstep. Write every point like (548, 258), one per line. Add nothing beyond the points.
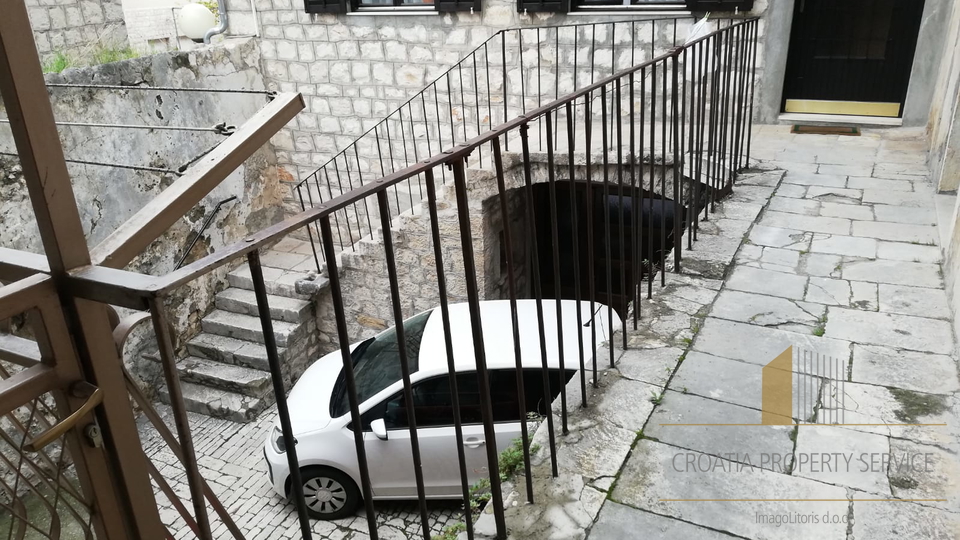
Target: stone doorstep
(232, 351)
(246, 327)
(282, 308)
(219, 403)
(229, 378)
(278, 282)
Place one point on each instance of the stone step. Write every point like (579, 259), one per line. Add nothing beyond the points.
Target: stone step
(246, 327)
(205, 372)
(220, 403)
(282, 308)
(278, 282)
(232, 351)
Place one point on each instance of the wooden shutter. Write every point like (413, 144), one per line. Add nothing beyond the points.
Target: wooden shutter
(548, 6)
(458, 5)
(325, 6)
(719, 5)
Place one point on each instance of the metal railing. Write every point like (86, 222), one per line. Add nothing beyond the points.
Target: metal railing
(657, 143)
(512, 73)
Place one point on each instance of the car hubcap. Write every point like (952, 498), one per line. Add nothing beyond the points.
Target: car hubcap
(324, 495)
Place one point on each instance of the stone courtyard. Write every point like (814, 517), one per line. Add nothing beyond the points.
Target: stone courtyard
(830, 245)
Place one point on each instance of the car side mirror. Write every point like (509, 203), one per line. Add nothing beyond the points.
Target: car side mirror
(379, 429)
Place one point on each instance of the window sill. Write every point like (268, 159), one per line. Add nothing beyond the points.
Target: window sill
(398, 11)
(620, 11)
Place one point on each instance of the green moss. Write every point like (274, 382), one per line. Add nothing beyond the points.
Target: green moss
(57, 63)
(914, 405)
(903, 482)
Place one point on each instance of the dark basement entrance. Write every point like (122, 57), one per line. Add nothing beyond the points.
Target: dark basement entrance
(621, 263)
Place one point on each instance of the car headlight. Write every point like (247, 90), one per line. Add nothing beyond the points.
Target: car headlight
(278, 443)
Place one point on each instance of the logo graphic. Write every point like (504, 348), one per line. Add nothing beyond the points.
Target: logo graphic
(807, 386)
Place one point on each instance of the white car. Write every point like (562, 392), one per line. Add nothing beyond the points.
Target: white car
(320, 409)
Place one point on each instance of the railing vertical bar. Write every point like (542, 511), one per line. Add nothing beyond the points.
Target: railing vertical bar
(687, 95)
(523, 84)
(555, 237)
(635, 223)
(486, 59)
(606, 218)
(473, 300)
(416, 155)
(453, 127)
(677, 186)
(653, 173)
(571, 145)
(448, 346)
(162, 330)
(463, 103)
(618, 95)
(391, 264)
(537, 289)
(366, 209)
(753, 85)
(506, 99)
(663, 179)
(738, 100)
(476, 101)
(346, 215)
(336, 297)
(514, 317)
(436, 101)
(591, 264)
(279, 393)
(728, 76)
(335, 218)
(701, 134)
(641, 253)
(313, 246)
(539, 92)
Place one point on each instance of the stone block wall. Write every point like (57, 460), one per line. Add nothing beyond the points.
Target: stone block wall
(356, 69)
(107, 197)
(76, 26)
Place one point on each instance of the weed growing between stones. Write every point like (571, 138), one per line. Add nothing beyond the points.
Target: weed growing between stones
(57, 63)
(511, 460)
(821, 327)
(914, 405)
(656, 398)
(451, 532)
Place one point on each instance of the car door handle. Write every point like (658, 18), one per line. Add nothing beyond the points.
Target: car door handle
(474, 443)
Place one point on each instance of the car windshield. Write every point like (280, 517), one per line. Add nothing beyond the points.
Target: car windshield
(376, 363)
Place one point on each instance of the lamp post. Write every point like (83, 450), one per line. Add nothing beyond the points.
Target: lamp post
(195, 20)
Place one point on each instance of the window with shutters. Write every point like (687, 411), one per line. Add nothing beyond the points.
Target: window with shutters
(564, 6)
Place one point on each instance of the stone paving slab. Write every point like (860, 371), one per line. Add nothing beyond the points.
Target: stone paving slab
(844, 245)
(921, 372)
(719, 429)
(834, 195)
(828, 225)
(918, 301)
(731, 381)
(898, 198)
(760, 345)
(895, 273)
(898, 251)
(747, 279)
(813, 179)
(650, 481)
(849, 211)
(780, 238)
(897, 232)
(938, 478)
(852, 468)
(617, 521)
(905, 214)
(902, 520)
(897, 331)
(764, 310)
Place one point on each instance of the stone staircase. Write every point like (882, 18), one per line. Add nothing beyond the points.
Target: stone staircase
(225, 372)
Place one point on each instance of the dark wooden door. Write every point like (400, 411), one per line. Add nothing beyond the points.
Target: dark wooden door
(851, 56)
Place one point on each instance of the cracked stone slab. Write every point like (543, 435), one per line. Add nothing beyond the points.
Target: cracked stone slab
(849, 211)
(741, 209)
(896, 232)
(792, 190)
(828, 225)
(672, 422)
(619, 521)
(756, 280)
(626, 404)
(898, 251)
(761, 310)
(813, 179)
(794, 206)
(847, 170)
(920, 372)
(864, 296)
(903, 520)
(830, 292)
(780, 238)
(731, 381)
(652, 366)
(649, 482)
(877, 409)
(897, 331)
(760, 345)
(834, 195)
(918, 301)
(937, 478)
(821, 264)
(895, 273)
(847, 470)
(849, 246)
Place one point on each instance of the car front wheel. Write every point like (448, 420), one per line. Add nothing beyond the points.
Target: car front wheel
(329, 493)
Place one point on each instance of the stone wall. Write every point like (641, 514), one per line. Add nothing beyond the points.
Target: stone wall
(76, 26)
(107, 197)
(355, 69)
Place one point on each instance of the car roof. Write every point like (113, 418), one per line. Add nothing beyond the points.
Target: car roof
(497, 328)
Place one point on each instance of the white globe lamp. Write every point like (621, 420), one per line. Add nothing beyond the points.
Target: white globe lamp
(195, 20)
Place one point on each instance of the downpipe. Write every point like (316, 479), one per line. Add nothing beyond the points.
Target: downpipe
(220, 28)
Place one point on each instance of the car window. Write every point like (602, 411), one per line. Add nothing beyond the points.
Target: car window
(434, 406)
(376, 363)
